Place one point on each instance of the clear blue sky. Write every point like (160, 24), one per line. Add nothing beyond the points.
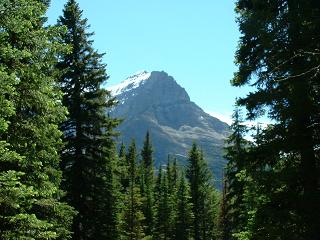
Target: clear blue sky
(194, 41)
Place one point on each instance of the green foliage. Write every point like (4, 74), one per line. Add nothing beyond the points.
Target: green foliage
(235, 209)
(278, 55)
(147, 184)
(123, 169)
(166, 202)
(89, 159)
(172, 204)
(203, 196)
(172, 175)
(225, 226)
(185, 216)
(163, 207)
(133, 217)
(30, 201)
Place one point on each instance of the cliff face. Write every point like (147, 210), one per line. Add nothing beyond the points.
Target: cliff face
(154, 102)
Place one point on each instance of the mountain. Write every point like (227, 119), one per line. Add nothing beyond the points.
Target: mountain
(156, 102)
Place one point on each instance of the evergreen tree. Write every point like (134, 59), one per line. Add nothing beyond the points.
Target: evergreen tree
(148, 184)
(210, 210)
(15, 195)
(163, 208)
(184, 222)
(224, 224)
(13, 191)
(172, 175)
(172, 189)
(157, 194)
(133, 217)
(88, 158)
(278, 55)
(194, 176)
(123, 169)
(30, 205)
(236, 156)
(121, 174)
(202, 196)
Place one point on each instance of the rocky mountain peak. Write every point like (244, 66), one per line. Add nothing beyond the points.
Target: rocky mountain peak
(130, 83)
(155, 102)
(155, 88)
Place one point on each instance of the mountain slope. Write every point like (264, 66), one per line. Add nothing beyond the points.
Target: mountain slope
(155, 102)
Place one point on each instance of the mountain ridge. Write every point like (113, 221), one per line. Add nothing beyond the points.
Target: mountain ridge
(155, 102)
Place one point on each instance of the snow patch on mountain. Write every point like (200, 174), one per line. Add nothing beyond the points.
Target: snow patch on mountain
(130, 83)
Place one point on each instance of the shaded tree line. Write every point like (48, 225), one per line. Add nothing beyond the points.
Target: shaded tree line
(272, 186)
(175, 203)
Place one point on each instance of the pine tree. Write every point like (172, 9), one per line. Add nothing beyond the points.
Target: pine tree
(88, 158)
(15, 195)
(163, 207)
(123, 168)
(30, 205)
(209, 221)
(133, 217)
(194, 176)
(278, 55)
(203, 197)
(236, 154)
(148, 184)
(172, 189)
(109, 197)
(157, 197)
(172, 175)
(184, 222)
(224, 224)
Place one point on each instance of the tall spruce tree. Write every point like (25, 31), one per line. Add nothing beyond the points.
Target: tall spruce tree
(123, 168)
(148, 184)
(163, 207)
(157, 197)
(184, 221)
(133, 218)
(279, 55)
(203, 197)
(15, 195)
(13, 191)
(224, 230)
(88, 158)
(236, 155)
(172, 189)
(30, 205)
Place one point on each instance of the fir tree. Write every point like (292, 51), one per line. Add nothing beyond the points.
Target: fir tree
(172, 189)
(15, 195)
(30, 205)
(123, 168)
(88, 158)
(163, 208)
(209, 222)
(133, 217)
(202, 195)
(236, 155)
(278, 55)
(184, 222)
(172, 175)
(224, 225)
(157, 192)
(148, 184)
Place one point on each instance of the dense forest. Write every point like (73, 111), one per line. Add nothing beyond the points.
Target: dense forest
(62, 175)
